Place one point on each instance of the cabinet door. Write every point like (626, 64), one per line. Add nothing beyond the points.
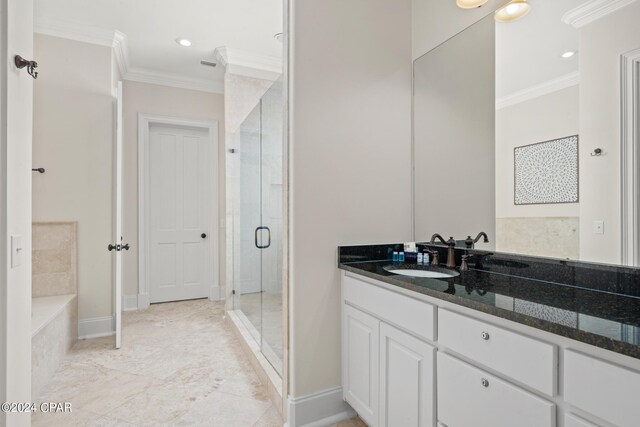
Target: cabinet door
(407, 373)
(360, 363)
(468, 396)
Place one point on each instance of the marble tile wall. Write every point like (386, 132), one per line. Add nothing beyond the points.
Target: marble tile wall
(54, 251)
(50, 345)
(555, 237)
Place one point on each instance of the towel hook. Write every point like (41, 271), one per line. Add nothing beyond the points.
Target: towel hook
(31, 65)
(41, 170)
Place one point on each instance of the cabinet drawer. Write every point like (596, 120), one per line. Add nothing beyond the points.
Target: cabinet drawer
(468, 396)
(524, 359)
(601, 388)
(413, 315)
(571, 420)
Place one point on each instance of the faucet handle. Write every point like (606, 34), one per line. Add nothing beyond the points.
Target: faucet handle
(451, 241)
(464, 266)
(435, 260)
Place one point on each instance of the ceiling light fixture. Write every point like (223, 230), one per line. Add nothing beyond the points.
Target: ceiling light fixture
(513, 11)
(568, 54)
(183, 42)
(470, 4)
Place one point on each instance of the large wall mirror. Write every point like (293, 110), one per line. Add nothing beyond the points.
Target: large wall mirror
(529, 131)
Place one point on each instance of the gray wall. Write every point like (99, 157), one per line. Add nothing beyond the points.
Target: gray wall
(350, 154)
(434, 21)
(454, 136)
(601, 44)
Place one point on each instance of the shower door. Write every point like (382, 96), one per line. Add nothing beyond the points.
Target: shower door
(258, 214)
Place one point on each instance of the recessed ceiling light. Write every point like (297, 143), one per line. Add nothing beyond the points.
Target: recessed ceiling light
(569, 54)
(512, 11)
(470, 4)
(183, 42)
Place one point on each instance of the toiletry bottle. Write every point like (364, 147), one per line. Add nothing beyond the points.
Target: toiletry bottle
(395, 256)
(401, 257)
(425, 258)
(420, 258)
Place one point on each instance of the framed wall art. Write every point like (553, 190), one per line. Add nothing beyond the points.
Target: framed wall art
(546, 172)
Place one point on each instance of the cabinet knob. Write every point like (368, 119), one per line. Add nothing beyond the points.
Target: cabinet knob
(485, 336)
(484, 382)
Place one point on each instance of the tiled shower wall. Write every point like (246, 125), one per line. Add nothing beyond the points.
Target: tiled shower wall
(55, 268)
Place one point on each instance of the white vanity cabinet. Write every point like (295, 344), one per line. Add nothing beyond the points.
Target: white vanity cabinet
(407, 380)
(411, 360)
(468, 396)
(360, 363)
(603, 389)
(388, 374)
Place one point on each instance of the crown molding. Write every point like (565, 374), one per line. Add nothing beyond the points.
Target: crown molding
(73, 30)
(120, 45)
(592, 11)
(536, 91)
(249, 64)
(164, 79)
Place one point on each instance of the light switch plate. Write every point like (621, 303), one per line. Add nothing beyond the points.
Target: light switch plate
(16, 251)
(598, 227)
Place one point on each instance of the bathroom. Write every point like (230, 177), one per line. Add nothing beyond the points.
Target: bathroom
(335, 159)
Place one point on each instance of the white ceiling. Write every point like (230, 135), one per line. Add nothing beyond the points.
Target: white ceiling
(151, 27)
(528, 51)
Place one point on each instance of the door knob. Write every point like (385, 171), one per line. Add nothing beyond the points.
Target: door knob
(125, 247)
(203, 235)
(113, 247)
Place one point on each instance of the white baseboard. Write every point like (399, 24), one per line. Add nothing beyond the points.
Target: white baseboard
(96, 327)
(143, 301)
(319, 409)
(215, 293)
(130, 303)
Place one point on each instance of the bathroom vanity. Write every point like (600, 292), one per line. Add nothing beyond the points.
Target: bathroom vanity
(513, 341)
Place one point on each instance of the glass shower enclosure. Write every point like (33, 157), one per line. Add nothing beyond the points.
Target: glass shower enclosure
(258, 223)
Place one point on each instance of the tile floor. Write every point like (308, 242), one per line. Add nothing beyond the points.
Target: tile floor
(179, 365)
(354, 422)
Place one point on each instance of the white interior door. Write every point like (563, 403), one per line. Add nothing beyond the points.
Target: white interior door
(181, 233)
(118, 218)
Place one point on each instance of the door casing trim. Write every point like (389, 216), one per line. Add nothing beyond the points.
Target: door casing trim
(144, 123)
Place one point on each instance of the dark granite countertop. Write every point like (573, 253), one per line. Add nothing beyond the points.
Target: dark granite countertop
(593, 303)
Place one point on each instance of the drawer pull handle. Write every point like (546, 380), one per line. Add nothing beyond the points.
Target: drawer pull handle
(485, 382)
(485, 336)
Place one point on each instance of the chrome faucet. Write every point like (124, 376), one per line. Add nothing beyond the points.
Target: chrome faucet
(469, 242)
(451, 253)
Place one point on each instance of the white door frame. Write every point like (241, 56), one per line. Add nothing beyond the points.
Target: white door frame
(117, 206)
(630, 157)
(144, 123)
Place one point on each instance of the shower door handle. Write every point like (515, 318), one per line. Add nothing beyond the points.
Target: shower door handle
(268, 237)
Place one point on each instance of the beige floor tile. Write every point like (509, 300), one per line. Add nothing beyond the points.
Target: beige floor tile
(107, 421)
(75, 418)
(161, 405)
(179, 365)
(224, 410)
(353, 422)
(270, 419)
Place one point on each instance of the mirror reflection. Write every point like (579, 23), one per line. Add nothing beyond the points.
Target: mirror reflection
(540, 150)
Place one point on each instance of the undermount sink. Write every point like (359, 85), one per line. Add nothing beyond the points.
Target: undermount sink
(428, 272)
